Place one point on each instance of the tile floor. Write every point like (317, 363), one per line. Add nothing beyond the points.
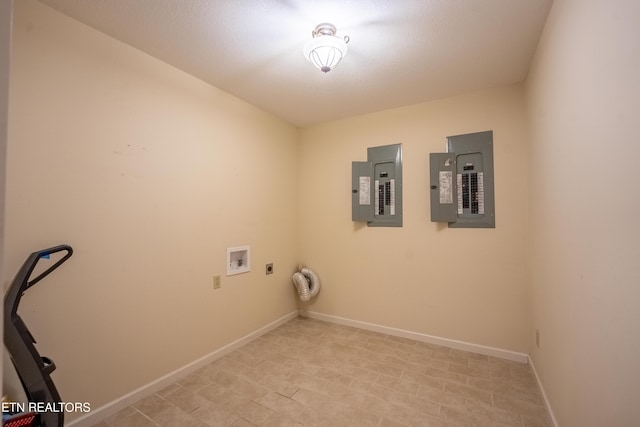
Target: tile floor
(313, 373)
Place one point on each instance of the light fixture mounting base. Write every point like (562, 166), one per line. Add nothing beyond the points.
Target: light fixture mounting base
(324, 29)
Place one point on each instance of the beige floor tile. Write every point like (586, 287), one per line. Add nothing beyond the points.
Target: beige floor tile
(385, 422)
(426, 421)
(242, 423)
(246, 358)
(382, 368)
(135, 419)
(279, 420)
(301, 366)
(222, 377)
(279, 385)
(415, 403)
(168, 389)
(359, 373)
(541, 420)
(422, 379)
(468, 355)
(279, 404)
(174, 416)
(335, 413)
(247, 389)
(441, 397)
(491, 385)
(194, 382)
(368, 403)
(400, 414)
(185, 399)
(334, 377)
(215, 415)
(372, 389)
(510, 403)
(468, 392)
(152, 405)
(398, 384)
(446, 375)
(214, 393)
(248, 410)
(124, 413)
(461, 416)
(470, 371)
(311, 399)
(312, 373)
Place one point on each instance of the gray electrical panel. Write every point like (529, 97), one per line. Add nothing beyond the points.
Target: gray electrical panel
(462, 192)
(376, 187)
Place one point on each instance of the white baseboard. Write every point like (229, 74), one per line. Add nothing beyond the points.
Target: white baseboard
(459, 345)
(552, 417)
(105, 411)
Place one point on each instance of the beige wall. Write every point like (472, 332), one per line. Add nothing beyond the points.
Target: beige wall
(6, 18)
(461, 284)
(583, 99)
(150, 175)
(6, 13)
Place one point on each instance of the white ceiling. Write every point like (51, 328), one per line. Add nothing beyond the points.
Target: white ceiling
(401, 52)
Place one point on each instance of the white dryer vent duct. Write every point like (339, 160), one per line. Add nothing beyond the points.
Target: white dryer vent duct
(307, 283)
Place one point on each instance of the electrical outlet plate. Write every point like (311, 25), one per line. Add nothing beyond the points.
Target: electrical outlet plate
(268, 269)
(216, 282)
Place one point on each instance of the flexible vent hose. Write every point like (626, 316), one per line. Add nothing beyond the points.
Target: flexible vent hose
(307, 283)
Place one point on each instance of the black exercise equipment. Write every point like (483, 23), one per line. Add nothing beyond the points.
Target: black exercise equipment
(34, 370)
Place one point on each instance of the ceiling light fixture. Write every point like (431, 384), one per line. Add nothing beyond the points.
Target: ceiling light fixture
(325, 50)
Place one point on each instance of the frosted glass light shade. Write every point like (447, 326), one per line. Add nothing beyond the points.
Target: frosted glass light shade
(325, 52)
